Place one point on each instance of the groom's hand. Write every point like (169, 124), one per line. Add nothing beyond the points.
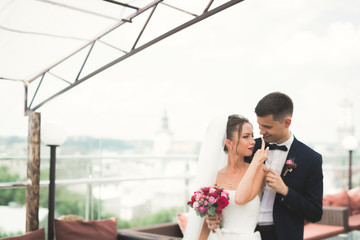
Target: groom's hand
(274, 180)
(213, 222)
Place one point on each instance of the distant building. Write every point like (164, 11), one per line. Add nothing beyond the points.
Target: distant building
(164, 142)
(164, 137)
(346, 121)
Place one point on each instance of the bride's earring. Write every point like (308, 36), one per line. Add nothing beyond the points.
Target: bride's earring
(230, 147)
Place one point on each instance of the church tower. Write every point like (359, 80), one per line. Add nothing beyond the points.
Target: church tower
(163, 138)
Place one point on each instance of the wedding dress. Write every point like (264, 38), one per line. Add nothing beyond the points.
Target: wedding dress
(239, 221)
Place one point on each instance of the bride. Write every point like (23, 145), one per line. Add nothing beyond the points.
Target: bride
(221, 161)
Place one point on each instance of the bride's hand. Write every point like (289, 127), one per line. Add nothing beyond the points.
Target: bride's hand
(213, 222)
(261, 154)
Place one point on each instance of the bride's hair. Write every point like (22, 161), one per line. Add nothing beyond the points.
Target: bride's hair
(234, 123)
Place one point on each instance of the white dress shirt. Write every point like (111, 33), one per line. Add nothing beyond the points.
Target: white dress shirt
(276, 161)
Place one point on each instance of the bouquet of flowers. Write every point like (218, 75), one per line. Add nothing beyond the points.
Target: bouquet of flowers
(209, 200)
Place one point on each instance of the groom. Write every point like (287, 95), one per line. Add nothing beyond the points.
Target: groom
(294, 184)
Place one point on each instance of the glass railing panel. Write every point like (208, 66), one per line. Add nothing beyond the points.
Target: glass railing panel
(126, 187)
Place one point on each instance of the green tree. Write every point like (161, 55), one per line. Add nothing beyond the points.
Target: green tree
(121, 224)
(3, 234)
(67, 202)
(10, 195)
(162, 216)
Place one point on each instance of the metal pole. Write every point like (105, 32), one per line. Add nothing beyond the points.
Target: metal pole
(52, 192)
(350, 158)
(187, 171)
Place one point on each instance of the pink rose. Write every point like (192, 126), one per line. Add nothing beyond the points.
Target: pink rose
(196, 204)
(202, 209)
(224, 194)
(212, 200)
(206, 202)
(290, 163)
(212, 190)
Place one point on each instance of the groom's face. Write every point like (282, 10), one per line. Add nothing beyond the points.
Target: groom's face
(272, 131)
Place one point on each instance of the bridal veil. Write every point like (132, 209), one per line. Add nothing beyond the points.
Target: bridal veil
(212, 158)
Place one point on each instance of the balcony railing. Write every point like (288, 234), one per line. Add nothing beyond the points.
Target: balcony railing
(112, 185)
(131, 186)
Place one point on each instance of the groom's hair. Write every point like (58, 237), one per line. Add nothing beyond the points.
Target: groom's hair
(278, 104)
(234, 124)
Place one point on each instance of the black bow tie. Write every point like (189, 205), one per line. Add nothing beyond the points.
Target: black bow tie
(275, 146)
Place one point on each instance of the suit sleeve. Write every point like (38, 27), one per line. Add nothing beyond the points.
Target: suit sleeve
(309, 203)
(256, 147)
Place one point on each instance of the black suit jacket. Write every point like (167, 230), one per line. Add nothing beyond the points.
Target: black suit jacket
(304, 199)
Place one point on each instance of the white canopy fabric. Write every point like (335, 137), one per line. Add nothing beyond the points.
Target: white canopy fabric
(225, 64)
(37, 35)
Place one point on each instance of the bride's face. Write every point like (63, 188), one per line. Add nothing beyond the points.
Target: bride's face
(246, 140)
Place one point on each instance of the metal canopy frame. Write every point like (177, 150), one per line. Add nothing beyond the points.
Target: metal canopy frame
(43, 75)
(33, 171)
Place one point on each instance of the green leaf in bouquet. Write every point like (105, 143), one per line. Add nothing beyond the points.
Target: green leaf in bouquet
(211, 211)
(203, 214)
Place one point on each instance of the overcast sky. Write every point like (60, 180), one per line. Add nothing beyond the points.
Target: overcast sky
(307, 49)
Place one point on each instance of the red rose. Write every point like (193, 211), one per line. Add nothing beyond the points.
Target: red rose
(218, 210)
(205, 190)
(222, 202)
(192, 199)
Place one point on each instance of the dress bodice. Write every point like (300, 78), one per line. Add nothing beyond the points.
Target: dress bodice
(240, 218)
(239, 221)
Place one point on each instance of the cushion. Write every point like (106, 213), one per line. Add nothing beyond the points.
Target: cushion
(340, 199)
(182, 219)
(314, 231)
(354, 222)
(354, 197)
(88, 230)
(38, 234)
(71, 217)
